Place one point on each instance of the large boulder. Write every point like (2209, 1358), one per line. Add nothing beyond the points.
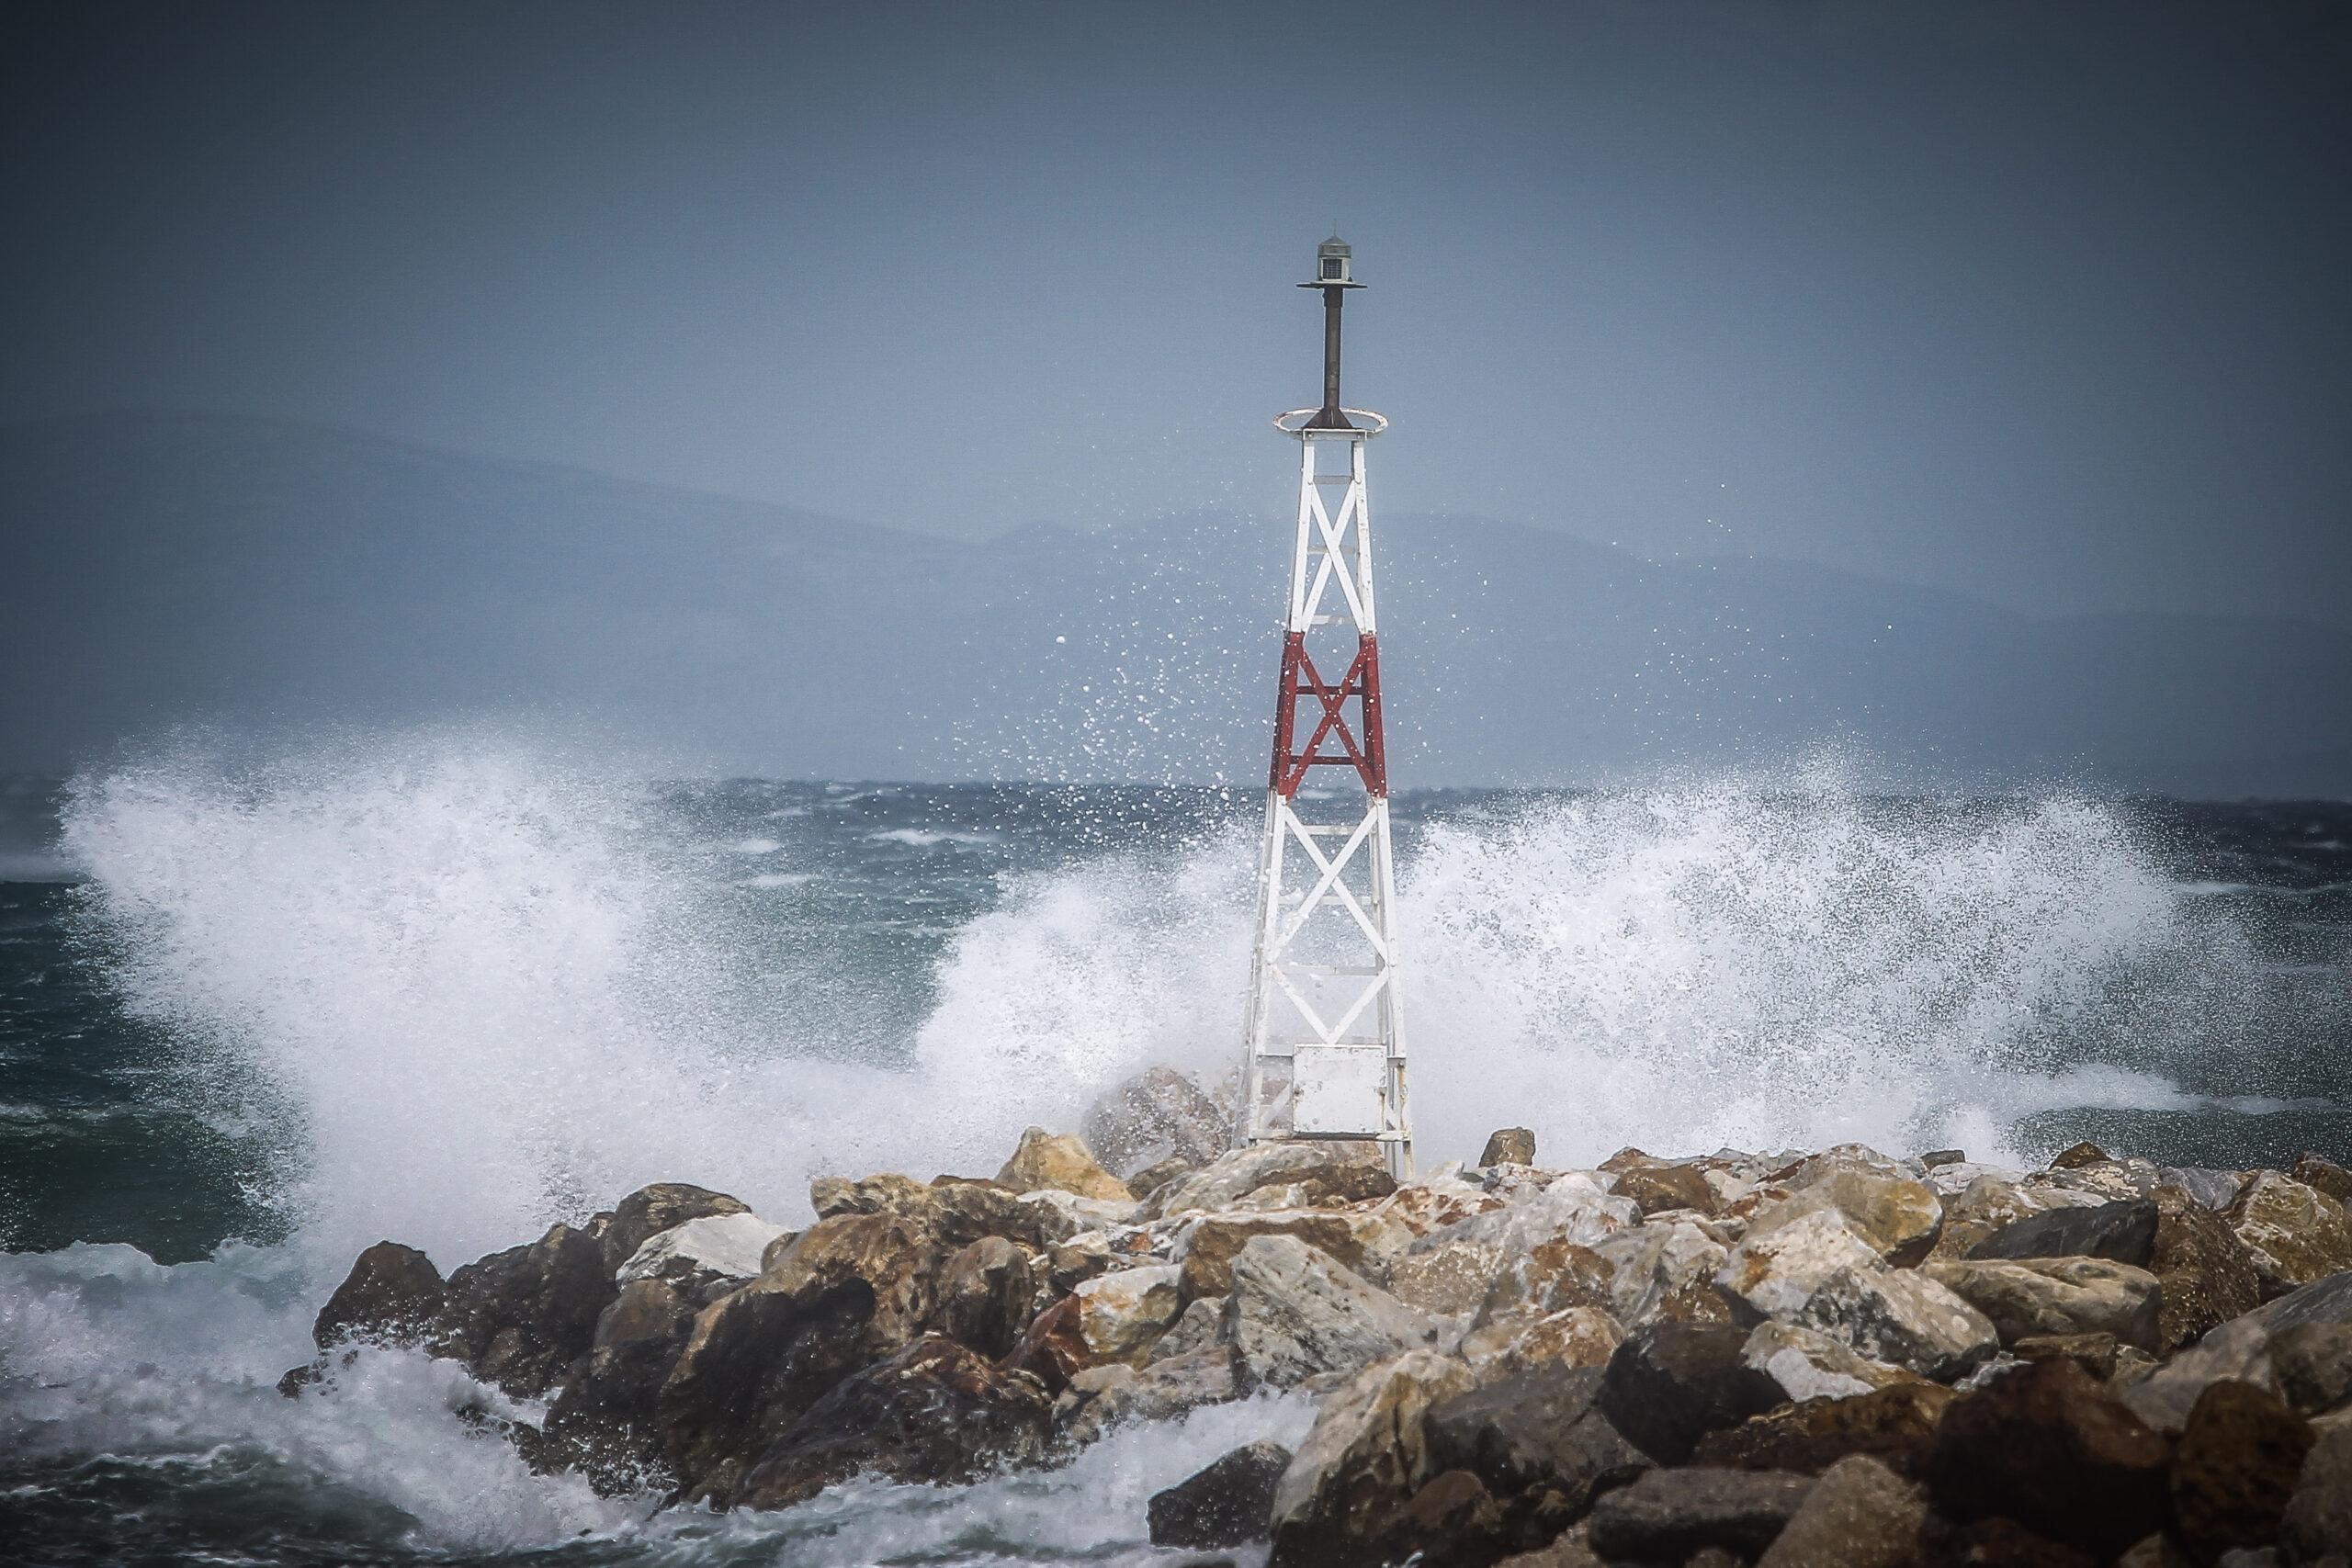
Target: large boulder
(650, 1211)
(606, 1423)
(2296, 1234)
(1667, 1515)
(1363, 1461)
(1899, 1218)
(523, 1318)
(1313, 1172)
(1294, 1314)
(1207, 1247)
(1656, 1188)
(935, 1411)
(1446, 1275)
(1526, 1342)
(1157, 1115)
(1861, 1515)
(392, 1296)
(1508, 1145)
(1122, 1315)
(2047, 1446)
(1902, 1317)
(1537, 1442)
(2318, 1522)
(1670, 1383)
(1993, 1202)
(1665, 1273)
(2038, 1296)
(1115, 1394)
(1551, 1275)
(2241, 1350)
(705, 1257)
(987, 1294)
(2122, 1232)
(1809, 1364)
(1060, 1162)
(851, 1290)
(1229, 1504)
(1776, 1270)
(2234, 1468)
(2206, 1273)
(1895, 1425)
(2318, 1170)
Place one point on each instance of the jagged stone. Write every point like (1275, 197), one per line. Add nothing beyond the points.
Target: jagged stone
(1896, 1426)
(1157, 1115)
(2240, 1349)
(1152, 1177)
(2311, 1365)
(1432, 1203)
(2039, 1295)
(2318, 1171)
(606, 1423)
(650, 1211)
(1122, 1315)
(1578, 1336)
(1552, 1276)
(1899, 1218)
(392, 1296)
(1666, 1516)
(2082, 1153)
(2317, 1525)
(2122, 1232)
(2047, 1446)
(2207, 1276)
(1229, 1504)
(1861, 1515)
(1294, 1314)
(1537, 1442)
(1571, 1549)
(1665, 1273)
(2097, 1354)
(1206, 1248)
(524, 1317)
(1670, 1383)
(1776, 1270)
(884, 1192)
(1321, 1172)
(1935, 1157)
(1364, 1459)
(1655, 1188)
(1900, 1317)
(2234, 1468)
(1446, 1276)
(987, 1294)
(2214, 1189)
(1060, 1162)
(704, 1257)
(2296, 1234)
(1508, 1145)
(934, 1411)
(1100, 1398)
(1809, 1364)
(1451, 1518)
(1993, 1202)
(1196, 1328)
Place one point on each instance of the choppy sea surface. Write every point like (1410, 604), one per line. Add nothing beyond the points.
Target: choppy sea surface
(257, 1013)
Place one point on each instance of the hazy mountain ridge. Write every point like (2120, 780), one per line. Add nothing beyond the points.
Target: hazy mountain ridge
(167, 567)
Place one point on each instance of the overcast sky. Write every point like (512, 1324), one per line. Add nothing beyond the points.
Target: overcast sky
(2044, 302)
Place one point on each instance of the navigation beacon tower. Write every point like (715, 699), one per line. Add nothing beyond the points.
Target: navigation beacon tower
(1325, 1038)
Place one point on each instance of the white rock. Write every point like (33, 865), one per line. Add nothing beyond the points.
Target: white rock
(1809, 1364)
(1294, 1315)
(1658, 1265)
(727, 1246)
(1776, 1272)
(1897, 1315)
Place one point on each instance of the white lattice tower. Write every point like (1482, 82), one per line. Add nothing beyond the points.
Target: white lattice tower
(1325, 1036)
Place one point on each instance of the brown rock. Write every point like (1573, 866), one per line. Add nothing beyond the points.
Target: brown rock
(523, 1318)
(2048, 1448)
(2296, 1234)
(650, 1211)
(1209, 1245)
(2312, 1364)
(1157, 1115)
(1228, 1504)
(2206, 1274)
(2081, 1155)
(606, 1423)
(2235, 1468)
(988, 1293)
(1660, 1186)
(1510, 1146)
(391, 1295)
(1451, 1518)
(1580, 1337)
(2315, 1170)
(1899, 1218)
(884, 1192)
(1628, 1159)
(1152, 1177)
(2318, 1523)
(1666, 1516)
(1998, 1542)
(1571, 1549)
(1537, 1440)
(1060, 1161)
(2031, 1296)
(2095, 1353)
(1552, 1276)
(1861, 1515)
(1896, 1426)
(1365, 1457)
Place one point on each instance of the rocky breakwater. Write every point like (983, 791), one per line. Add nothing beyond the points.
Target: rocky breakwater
(1792, 1359)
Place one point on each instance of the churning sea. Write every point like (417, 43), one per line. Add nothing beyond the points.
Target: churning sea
(256, 1014)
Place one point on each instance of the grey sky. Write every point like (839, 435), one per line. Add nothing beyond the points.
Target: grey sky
(2044, 303)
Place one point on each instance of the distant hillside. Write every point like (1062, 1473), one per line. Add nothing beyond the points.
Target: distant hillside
(163, 568)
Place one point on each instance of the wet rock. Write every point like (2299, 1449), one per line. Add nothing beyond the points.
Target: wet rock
(2239, 1349)
(851, 1289)
(1900, 1317)
(1152, 1177)
(1671, 1383)
(2318, 1171)
(606, 1423)
(1666, 1516)
(2097, 1354)
(1776, 1270)
(1579, 1337)
(1552, 1276)
(650, 1211)
(2234, 1468)
(1809, 1364)
(704, 1257)
(1446, 1276)
(1665, 1273)
(884, 1192)
(2214, 1189)
(1157, 1115)
(2206, 1273)
(1103, 1397)
(1935, 1157)
(1206, 1248)
(987, 1294)
(2047, 1446)
(1060, 1162)
(1998, 1542)
(1992, 1202)
(1451, 1518)
(1432, 1203)
(1508, 1145)
(1365, 1456)
(2121, 1232)
(2154, 1551)
(524, 1317)
(1196, 1328)
(2311, 1364)
(1658, 1188)
(1121, 1316)
(1900, 1219)
(1896, 1426)
(1229, 1504)
(1294, 1314)
(2038, 1296)
(392, 1296)
(1322, 1173)
(934, 1411)
(2296, 1233)
(1537, 1442)
(2081, 1155)
(1861, 1515)
(1571, 1549)
(2317, 1526)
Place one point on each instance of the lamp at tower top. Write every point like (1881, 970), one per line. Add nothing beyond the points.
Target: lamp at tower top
(1333, 265)
(1334, 275)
